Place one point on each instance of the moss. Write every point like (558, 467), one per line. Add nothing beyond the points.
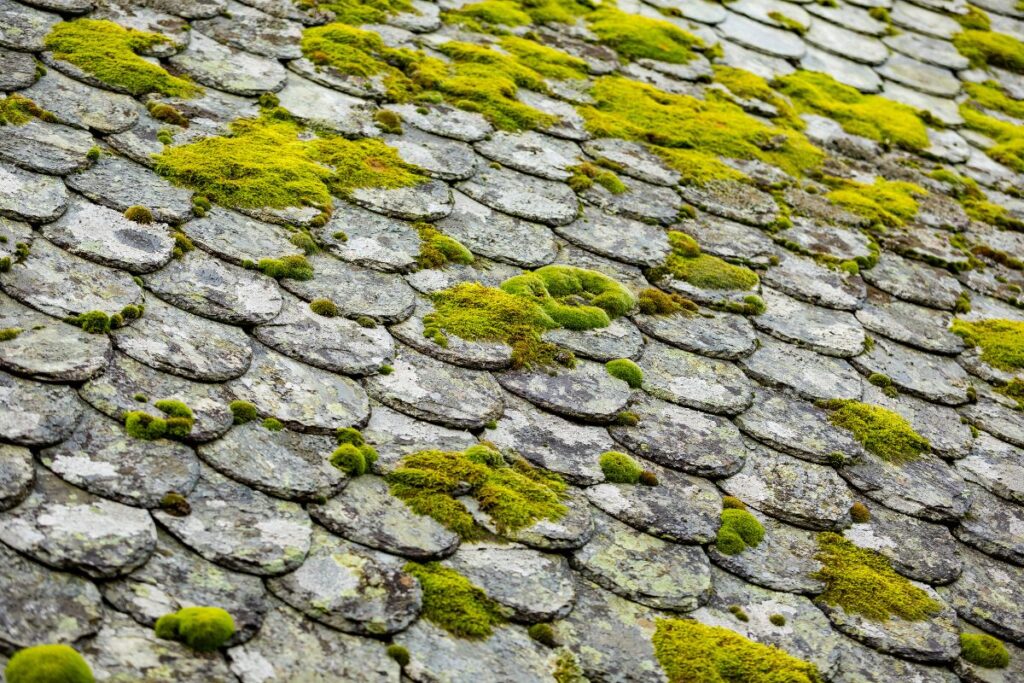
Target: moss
(139, 214)
(739, 530)
(584, 176)
(733, 503)
(360, 11)
(888, 203)
(983, 650)
(574, 298)
(627, 418)
(353, 456)
(48, 664)
(619, 468)
(140, 398)
(547, 61)
(788, 23)
(454, 603)
(653, 301)
(243, 411)
(1014, 389)
(567, 668)
(385, 370)
(17, 109)
(304, 241)
(863, 582)
(648, 478)
(859, 513)
(175, 504)
(269, 162)
(179, 418)
(203, 629)
(513, 495)
(500, 12)
(1001, 341)
(777, 620)
(635, 37)
(167, 113)
(687, 263)
(438, 250)
(988, 48)
(133, 311)
(141, 425)
(93, 322)
(9, 333)
(324, 307)
(292, 267)
(690, 134)
(690, 651)
(974, 18)
(388, 121)
(871, 116)
(749, 86)
(272, 424)
(739, 613)
(177, 423)
(883, 382)
(111, 54)
(626, 370)
(543, 634)
(882, 432)
(399, 654)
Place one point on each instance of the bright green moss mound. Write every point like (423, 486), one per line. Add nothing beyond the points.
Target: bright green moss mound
(984, 651)
(652, 301)
(203, 629)
(691, 134)
(264, 162)
(863, 582)
(619, 468)
(987, 48)
(626, 370)
(452, 602)
(584, 176)
(870, 116)
(691, 652)
(636, 37)
(739, 530)
(360, 11)
(990, 95)
(520, 12)
(110, 53)
(880, 431)
(1001, 341)
(177, 422)
(48, 664)
(547, 61)
(888, 203)
(513, 495)
(687, 263)
(358, 52)
(16, 109)
(748, 86)
(574, 298)
(353, 456)
(438, 250)
(243, 411)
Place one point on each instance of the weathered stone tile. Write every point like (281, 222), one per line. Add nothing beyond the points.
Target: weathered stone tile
(804, 279)
(587, 392)
(36, 414)
(46, 147)
(356, 291)
(709, 333)
(31, 197)
(445, 120)
(365, 238)
(621, 339)
(993, 525)
(523, 196)
(635, 159)
(120, 184)
(861, 664)
(237, 238)
(826, 240)
(996, 419)
(949, 436)
(396, 435)
(83, 106)
(693, 381)
(571, 531)
(441, 158)
(988, 594)
(923, 328)
(935, 378)
(997, 466)
(228, 69)
(17, 69)
(478, 355)
(733, 200)
(919, 550)
(428, 201)
(617, 237)
(17, 473)
(641, 201)
(532, 153)
(249, 29)
(761, 38)
(824, 330)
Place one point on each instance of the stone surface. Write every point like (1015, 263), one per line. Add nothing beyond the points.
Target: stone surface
(36, 414)
(810, 375)
(228, 69)
(496, 235)
(987, 594)
(914, 282)
(356, 291)
(709, 333)
(826, 331)
(693, 381)
(997, 466)
(29, 196)
(119, 184)
(933, 378)
(617, 237)
(523, 196)
(46, 147)
(804, 279)
(587, 392)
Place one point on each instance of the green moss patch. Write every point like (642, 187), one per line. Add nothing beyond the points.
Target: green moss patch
(687, 263)
(353, 456)
(586, 174)
(547, 61)
(863, 582)
(966, 191)
(690, 651)
(47, 664)
(984, 650)
(652, 301)
(988, 48)
(111, 53)
(176, 423)
(514, 495)
(881, 431)
(454, 603)
(619, 468)
(626, 370)
(871, 116)
(739, 530)
(242, 412)
(438, 250)
(748, 86)
(635, 37)
(1001, 341)
(203, 629)
(17, 109)
(267, 162)
(886, 203)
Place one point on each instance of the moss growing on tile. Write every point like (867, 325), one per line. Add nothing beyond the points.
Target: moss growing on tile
(454, 603)
(777, 620)
(55, 663)
(492, 12)
(739, 613)
(988, 48)
(626, 370)
(179, 420)
(111, 54)
(543, 634)
(627, 418)
(859, 513)
(324, 307)
(139, 214)
(242, 412)
(749, 86)
(687, 263)
(984, 650)
(1001, 341)
(547, 61)
(653, 301)
(438, 250)
(514, 495)
(360, 11)
(871, 116)
(690, 651)
(574, 298)
(399, 654)
(9, 333)
(788, 23)
(353, 456)
(1014, 389)
(881, 431)
(634, 37)
(739, 530)
(175, 504)
(93, 322)
(203, 629)
(272, 424)
(17, 109)
(141, 425)
(886, 203)
(619, 468)
(586, 174)
(176, 423)
(292, 267)
(863, 582)
(883, 382)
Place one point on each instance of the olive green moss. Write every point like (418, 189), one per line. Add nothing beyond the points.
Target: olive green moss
(619, 468)
(292, 267)
(739, 530)
(203, 629)
(1014, 389)
(870, 116)
(691, 134)
(9, 333)
(93, 322)
(512, 13)
(324, 307)
(388, 121)
(353, 456)
(883, 382)
(733, 503)
(974, 18)
(304, 241)
(984, 650)
(56, 663)
(242, 412)
(514, 495)
(267, 162)
(543, 634)
(653, 301)
(634, 37)
(739, 613)
(863, 582)
(690, 651)
(627, 418)
(881, 431)
(886, 203)
(438, 250)
(454, 603)
(545, 60)
(777, 620)
(17, 109)
(1001, 341)
(788, 23)
(175, 504)
(586, 174)
(859, 513)
(648, 478)
(399, 654)
(111, 54)
(574, 298)
(359, 11)
(626, 370)
(161, 111)
(982, 111)
(139, 214)
(567, 668)
(687, 263)
(988, 48)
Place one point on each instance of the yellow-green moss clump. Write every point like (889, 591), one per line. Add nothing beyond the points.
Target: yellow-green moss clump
(619, 468)
(56, 663)
(653, 301)
(692, 652)
(626, 370)
(177, 423)
(111, 53)
(519, 12)
(983, 111)
(886, 203)
(691, 134)
(438, 250)
(1001, 341)
(586, 174)
(547, 61)
(454, 603)
(870, 116)
(984, 650)
(882, 432)
(17, 109)
(969, 194)
(748, 86)
(359, 11)
(739, 530)
(988, 48)
(513, 495)
(863, 582)
(635, 37)
(353, 456)
(687, 263)
(203, 629)
(264, 163)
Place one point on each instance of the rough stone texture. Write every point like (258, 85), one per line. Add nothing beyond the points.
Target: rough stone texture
(587, 392)
(829, 332)
(810, 375)
(934, 378)
(987, 594)
(36, 414)
(119, 184)
(496, 235)
(46, 147)
(523, 196)
(997, 466)
(693, 381)
(356, 291)
(715, 334)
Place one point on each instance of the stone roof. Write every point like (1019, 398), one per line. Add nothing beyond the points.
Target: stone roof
(740, 394)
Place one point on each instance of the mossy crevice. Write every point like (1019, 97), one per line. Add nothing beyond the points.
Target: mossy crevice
(176, 423)
(686, 262)
(353, 456)
(881, 431)
(16, 110)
